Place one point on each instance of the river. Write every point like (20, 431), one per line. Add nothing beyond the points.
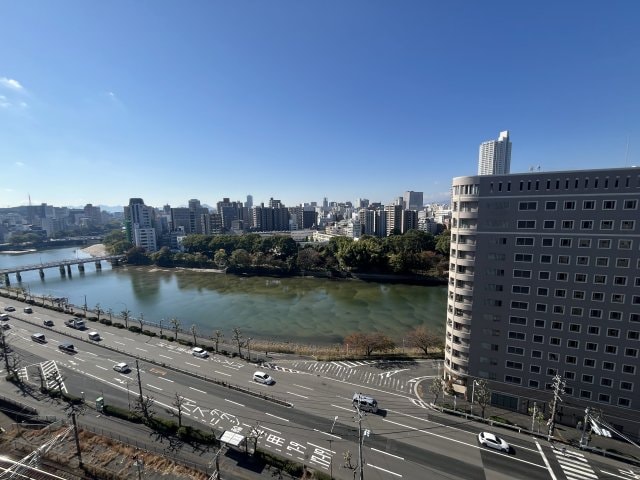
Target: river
(305, 310)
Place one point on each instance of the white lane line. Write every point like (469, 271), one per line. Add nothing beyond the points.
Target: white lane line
(119, 343)
(101, 367)
(153, 386)
(222, 373)
(235, 403)
(384, 470)
(275, 416)
(192, 364)
(262, 427)
(387, 453)
(544, 459)
(165, 379)
(141, 349)
(328, 434)
(197, 390)
(297, 395)
(615, 474)
(109, 333)
(462, 443)
(300, 386)
(343, 408)
(164, 356)
(91, 353)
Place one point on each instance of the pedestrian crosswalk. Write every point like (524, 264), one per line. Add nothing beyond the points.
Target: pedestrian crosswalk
(51, 376)
(574, 464)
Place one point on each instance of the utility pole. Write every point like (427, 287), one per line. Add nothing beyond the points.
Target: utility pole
(533, 417)
(4, 351)
(75, 431)
(360, 461)
(139, 381)
(584, 427)
(331, 451)
(558, 389)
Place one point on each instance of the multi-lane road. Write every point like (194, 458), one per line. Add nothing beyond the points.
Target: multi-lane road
(405, 439)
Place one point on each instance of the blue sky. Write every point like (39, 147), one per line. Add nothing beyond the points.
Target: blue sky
(298, 100)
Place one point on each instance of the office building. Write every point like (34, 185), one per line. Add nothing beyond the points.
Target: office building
(412, 200)
(139, 224)
(495, 156)
(544, 280)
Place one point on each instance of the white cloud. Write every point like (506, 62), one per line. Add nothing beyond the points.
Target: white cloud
(4, 103)
(11, 84)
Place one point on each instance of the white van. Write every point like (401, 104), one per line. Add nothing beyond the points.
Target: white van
(95, 336)
(365, 403)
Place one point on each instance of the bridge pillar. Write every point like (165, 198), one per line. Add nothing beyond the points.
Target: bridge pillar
(81, 267)
(98, 265)
(18, 277)
(7, 282)
(62, 271)
(69, 269)
(41, 272)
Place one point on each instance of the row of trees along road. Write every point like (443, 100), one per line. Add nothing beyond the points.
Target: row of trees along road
(415, 252)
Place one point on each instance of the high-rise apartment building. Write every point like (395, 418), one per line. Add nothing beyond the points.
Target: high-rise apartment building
(495, 156)
(139, 225)
(544, 280)
(412, 200)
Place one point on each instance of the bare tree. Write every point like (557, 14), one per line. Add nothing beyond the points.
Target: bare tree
(144, 406)
(217, 337)
(98, 310)
(125, 314)
(194, 332)
(179, 402)
(425, 339)
(254, 435)
(482, 394)
(161, 320)
(436, 388)
(175, 323)
(237, 337)
(110, 312)
(141, 321)
(368, 343)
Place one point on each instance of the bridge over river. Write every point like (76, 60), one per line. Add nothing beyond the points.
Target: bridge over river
(64, 266)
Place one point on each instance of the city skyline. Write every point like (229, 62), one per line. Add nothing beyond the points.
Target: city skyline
(302, 101)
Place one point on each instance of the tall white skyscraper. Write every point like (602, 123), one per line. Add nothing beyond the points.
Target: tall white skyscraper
(495, 156)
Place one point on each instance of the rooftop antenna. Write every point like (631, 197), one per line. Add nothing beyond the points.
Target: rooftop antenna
(626, 154)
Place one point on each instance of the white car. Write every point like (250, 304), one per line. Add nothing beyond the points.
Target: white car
(95, 336)
(199, 352)
(262, 377)
(493, 441)
(121, 367)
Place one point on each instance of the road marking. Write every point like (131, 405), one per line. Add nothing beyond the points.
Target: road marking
(91, 353)
(164, 356)
(165, 379)
(327, 433)
(387, 453)
(119, 343)
(544, 458)
(618, 476)
(300, 386)
(462, 443)
(221, 373)
(101, 367)
(343, 408)
(192, 364)
(141, 349)
(197, 390)
(275, 416)
(297, 395)
(231, 401)
(153, 386)
(262, 427)
(384, 470)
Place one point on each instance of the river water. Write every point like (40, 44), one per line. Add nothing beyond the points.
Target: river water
(306, 310)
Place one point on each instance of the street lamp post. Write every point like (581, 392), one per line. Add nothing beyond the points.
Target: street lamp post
(331, 451)
(249, 348)
(473, 392)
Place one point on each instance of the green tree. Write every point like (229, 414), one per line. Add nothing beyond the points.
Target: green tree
(443, 243)
(240, 258)
(163, 257)
(137, 256)
(221, 259)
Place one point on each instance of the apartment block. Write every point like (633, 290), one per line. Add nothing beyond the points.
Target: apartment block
(544, 280)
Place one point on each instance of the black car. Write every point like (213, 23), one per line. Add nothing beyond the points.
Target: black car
(9, 309)
(67, 347)
(48, 323)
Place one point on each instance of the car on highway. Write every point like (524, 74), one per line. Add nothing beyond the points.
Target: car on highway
(491, 440)
(199, 352)
(95, 336)
(4, 317)
(6, 326)
(67, 347)
(9, 309)
(27, 310)
(121, 367)
(262, 377)
(39, 338)
(48, 323)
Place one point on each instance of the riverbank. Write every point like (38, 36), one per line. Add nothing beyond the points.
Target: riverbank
(97, 250)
